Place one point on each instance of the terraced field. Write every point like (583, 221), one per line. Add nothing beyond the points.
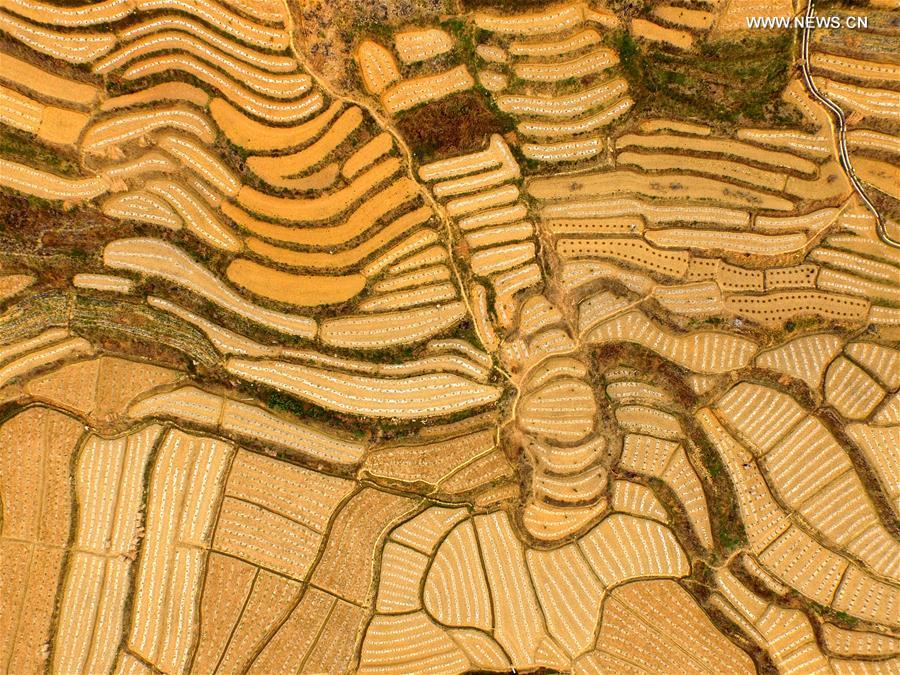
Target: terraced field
(860, 77)
(597, 390)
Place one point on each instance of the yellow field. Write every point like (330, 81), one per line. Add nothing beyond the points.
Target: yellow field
(575, 381)
(648, 30)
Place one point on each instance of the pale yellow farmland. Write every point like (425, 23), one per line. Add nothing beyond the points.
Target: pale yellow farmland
(377, 65)
(583, 38)
(447, 339)
(690, 18)
(300, 290)
(648, 30)
(406, 397)
(421, 44)
(408, 93)
(591, 63)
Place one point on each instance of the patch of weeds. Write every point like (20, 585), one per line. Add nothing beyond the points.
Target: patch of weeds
(504, 5)
(24, 147)
(727, 82)
(456, 124)
(527, 164)
(729, 541)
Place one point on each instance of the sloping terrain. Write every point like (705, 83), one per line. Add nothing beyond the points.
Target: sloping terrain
(603, 380)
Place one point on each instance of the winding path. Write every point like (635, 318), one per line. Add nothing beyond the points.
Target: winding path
(838, 114)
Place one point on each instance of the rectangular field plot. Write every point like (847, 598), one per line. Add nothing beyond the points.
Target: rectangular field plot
(177, 537)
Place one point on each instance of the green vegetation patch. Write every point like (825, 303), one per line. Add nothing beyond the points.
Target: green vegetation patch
(733, 82)
(127, 325)
(23, 147)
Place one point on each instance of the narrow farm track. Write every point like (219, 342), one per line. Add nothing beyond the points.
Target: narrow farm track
(841, 122)
(385, 122)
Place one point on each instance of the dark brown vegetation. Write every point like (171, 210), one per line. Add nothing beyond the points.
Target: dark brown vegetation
(41, 237)
(504, 5)
(453, 125)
